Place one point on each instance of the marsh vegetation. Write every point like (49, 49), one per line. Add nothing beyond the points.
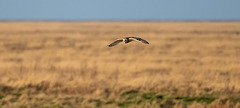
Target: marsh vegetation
(68, 64)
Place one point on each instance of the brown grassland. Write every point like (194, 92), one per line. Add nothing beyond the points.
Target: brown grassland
(68, 65)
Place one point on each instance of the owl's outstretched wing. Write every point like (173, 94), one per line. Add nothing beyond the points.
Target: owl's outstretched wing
(138, 39)
(115, 42)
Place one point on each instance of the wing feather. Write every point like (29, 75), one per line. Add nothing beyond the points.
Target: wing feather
(138, 39)
(115, 42)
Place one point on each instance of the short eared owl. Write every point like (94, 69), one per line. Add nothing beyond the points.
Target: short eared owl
(127, 40)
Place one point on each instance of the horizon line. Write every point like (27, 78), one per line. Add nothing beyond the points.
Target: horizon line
(51, 20)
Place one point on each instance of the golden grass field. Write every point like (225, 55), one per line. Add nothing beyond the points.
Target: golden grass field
(68, 65)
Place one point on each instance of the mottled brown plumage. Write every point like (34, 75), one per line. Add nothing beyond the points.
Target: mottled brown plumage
(127, 40)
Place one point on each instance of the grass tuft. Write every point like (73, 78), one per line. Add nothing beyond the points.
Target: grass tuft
(234, 100)
(1, 97)
(17, 94)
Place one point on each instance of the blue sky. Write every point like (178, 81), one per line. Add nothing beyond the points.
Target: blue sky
(119, 9)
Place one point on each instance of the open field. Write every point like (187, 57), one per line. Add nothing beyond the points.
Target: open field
(68, 64)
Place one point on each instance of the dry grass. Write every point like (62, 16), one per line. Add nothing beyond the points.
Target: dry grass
(68, 64)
